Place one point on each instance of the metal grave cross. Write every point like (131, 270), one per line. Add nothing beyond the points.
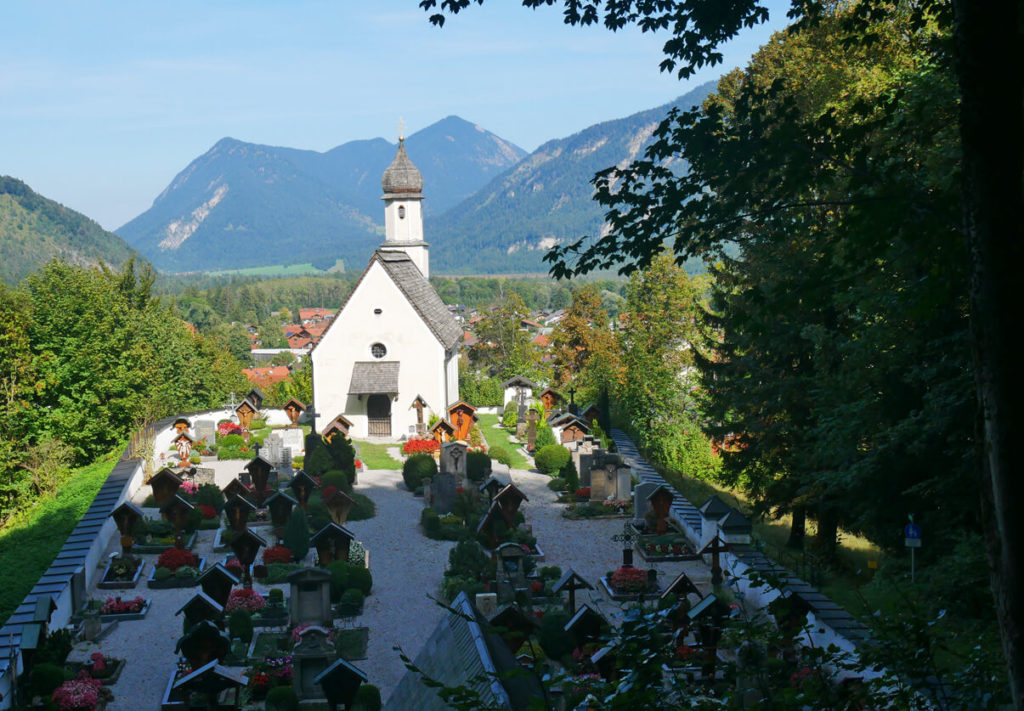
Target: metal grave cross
(627, 538)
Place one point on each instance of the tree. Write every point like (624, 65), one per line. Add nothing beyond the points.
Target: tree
(504, 348)
(988, 53)
(578, 338)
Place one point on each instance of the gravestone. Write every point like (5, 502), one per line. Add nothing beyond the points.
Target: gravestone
(598, 484)
(487, 603)
(272, 449)
(442, 492)
(453, 458)
(292, 439)
(204, 475)
(313, 654)
(623, 483)
(640, 503)
(511, 571)
(310, 600)
(532, 417)
(207, 430)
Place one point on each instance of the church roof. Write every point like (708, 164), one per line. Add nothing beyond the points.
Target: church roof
(378, 376)
(421, 295)
(402, 176)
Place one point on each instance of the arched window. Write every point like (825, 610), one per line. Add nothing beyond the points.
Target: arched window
(401, 212)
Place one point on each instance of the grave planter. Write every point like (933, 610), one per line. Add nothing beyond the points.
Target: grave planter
(171, 700)
(159, 547)
(174, 581)
(122, 617)
(108, 583)
(627, 597)
(108, 680)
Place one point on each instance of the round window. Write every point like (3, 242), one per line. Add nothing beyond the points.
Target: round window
(378, 350)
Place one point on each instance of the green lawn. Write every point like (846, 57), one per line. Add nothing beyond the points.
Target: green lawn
(499, 437)
(375, 456)
(32, 539)
(273, 270)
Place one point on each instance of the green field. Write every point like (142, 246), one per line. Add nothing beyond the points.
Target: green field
(499, 437)
(277, 270)
(32, 539)
(375, 456)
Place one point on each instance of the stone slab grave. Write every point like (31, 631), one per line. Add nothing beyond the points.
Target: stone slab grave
(272, 449)
(206, 429)
(451, 477)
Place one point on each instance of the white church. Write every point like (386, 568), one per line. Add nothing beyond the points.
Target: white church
(389, 358)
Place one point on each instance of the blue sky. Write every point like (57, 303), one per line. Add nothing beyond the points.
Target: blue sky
(103, 103)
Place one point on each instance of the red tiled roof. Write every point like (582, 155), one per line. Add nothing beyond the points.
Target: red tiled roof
(264, 377)
(543, 340)
(314, 313)
(299, 341)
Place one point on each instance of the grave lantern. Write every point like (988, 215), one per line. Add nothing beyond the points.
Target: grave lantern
(217, 582)
(237, 509)
(338, 506)
(340, 683)
(332, 543)
(661, 503)
(280, 507)
(293, 408)
(211, 680)
(259, 471)
(125, 517)
(302, 485)
(176, 512)
(165, 484)
(245, 546)
(202, 607)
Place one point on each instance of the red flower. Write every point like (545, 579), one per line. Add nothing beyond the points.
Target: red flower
(629, 580)
(420, 446)
(208, 511)
(329, 493)
(583, 493)
(277, 554)
(359, 464)
(174, 558)
(536, 587)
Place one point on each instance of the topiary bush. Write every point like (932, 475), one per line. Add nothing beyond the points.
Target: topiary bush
(367, 698)
(500, 454)
(240, 625)
(545, 437)
(45, 678)
(569, 474)
(558, 484)
(282, 698)
(346, 576)
(431, 522)
(296, 534)
(468, 559)
(210, 495)
(319, 462)
(511, 414)
(478, 466)
(336, 478)
(417, 468)
(551, 458)
(553, 639)
(362, 509)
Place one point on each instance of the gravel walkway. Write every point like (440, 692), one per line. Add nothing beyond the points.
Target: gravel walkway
(407, 568)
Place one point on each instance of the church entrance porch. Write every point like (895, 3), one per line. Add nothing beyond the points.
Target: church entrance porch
(378, 415)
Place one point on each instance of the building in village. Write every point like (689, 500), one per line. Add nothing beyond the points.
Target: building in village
(393, 341)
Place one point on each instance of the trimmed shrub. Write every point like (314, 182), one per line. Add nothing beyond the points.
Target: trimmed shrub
(558, 484)
(476, 437)
(478, 465)
(210, 495)
(362, 509)
(162, 573)
(336, 478)
(452, 585)
(550, 572)
(431, 522)
(319, 462)
(500, 454)
(468, 559)
(282, 698)
(367, 698)
(240, 625)
(417, 468)
(570, 475)
(276, 595)
(545, 437)
(318, 516)
(346, 576)
(511, 414)
(186, 572)
(233, 441)
(551, 458)
(296, 534)
(353, 598)
(553, 639)
(45, 678)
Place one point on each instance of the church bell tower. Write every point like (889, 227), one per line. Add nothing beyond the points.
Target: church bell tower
(403, 210)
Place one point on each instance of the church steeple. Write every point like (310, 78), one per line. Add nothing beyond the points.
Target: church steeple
(403, 213)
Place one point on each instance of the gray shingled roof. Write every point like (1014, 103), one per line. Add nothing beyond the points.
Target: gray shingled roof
(421, 295)
(377, 376)
(402, 176)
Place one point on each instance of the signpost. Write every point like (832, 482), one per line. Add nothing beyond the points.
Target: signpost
(912, 540)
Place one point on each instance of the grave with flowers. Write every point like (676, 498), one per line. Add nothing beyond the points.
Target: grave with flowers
(104, 669)
(115, 607)
(176, 568)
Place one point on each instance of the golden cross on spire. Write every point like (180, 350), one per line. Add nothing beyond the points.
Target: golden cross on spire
(401, 129)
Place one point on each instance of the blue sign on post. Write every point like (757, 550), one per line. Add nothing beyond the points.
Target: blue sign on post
(912, 530)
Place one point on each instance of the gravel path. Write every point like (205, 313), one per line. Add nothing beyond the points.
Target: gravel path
(407, 568)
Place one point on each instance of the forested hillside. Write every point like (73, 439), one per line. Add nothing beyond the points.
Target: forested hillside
(34, 230)
(88, 355)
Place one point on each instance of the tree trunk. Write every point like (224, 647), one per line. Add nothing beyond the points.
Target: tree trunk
(990, 53)
(798, 528)
(828, 532)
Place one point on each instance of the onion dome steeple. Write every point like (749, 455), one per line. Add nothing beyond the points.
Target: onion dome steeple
(402, 177)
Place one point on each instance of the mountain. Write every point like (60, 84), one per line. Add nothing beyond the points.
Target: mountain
(545, 199)
(242, 204)
(35, 229)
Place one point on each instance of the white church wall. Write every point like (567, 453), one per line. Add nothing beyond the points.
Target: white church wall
(453, 382)
(407, 339)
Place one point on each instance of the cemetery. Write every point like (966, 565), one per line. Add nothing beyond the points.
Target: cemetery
(255, 576)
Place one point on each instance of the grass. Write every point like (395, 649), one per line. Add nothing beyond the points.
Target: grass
(499, 437)
(33, 538)
(375, 456)
(272, 270)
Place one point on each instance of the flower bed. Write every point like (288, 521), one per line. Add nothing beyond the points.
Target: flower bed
(653, 549)
(181, 575)
(121, 574)
(159, 545)
(420, 446)
(628, 584)
(115, 608)
(106, 670)
(82, 693)
(604, 509)
(244, 599)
